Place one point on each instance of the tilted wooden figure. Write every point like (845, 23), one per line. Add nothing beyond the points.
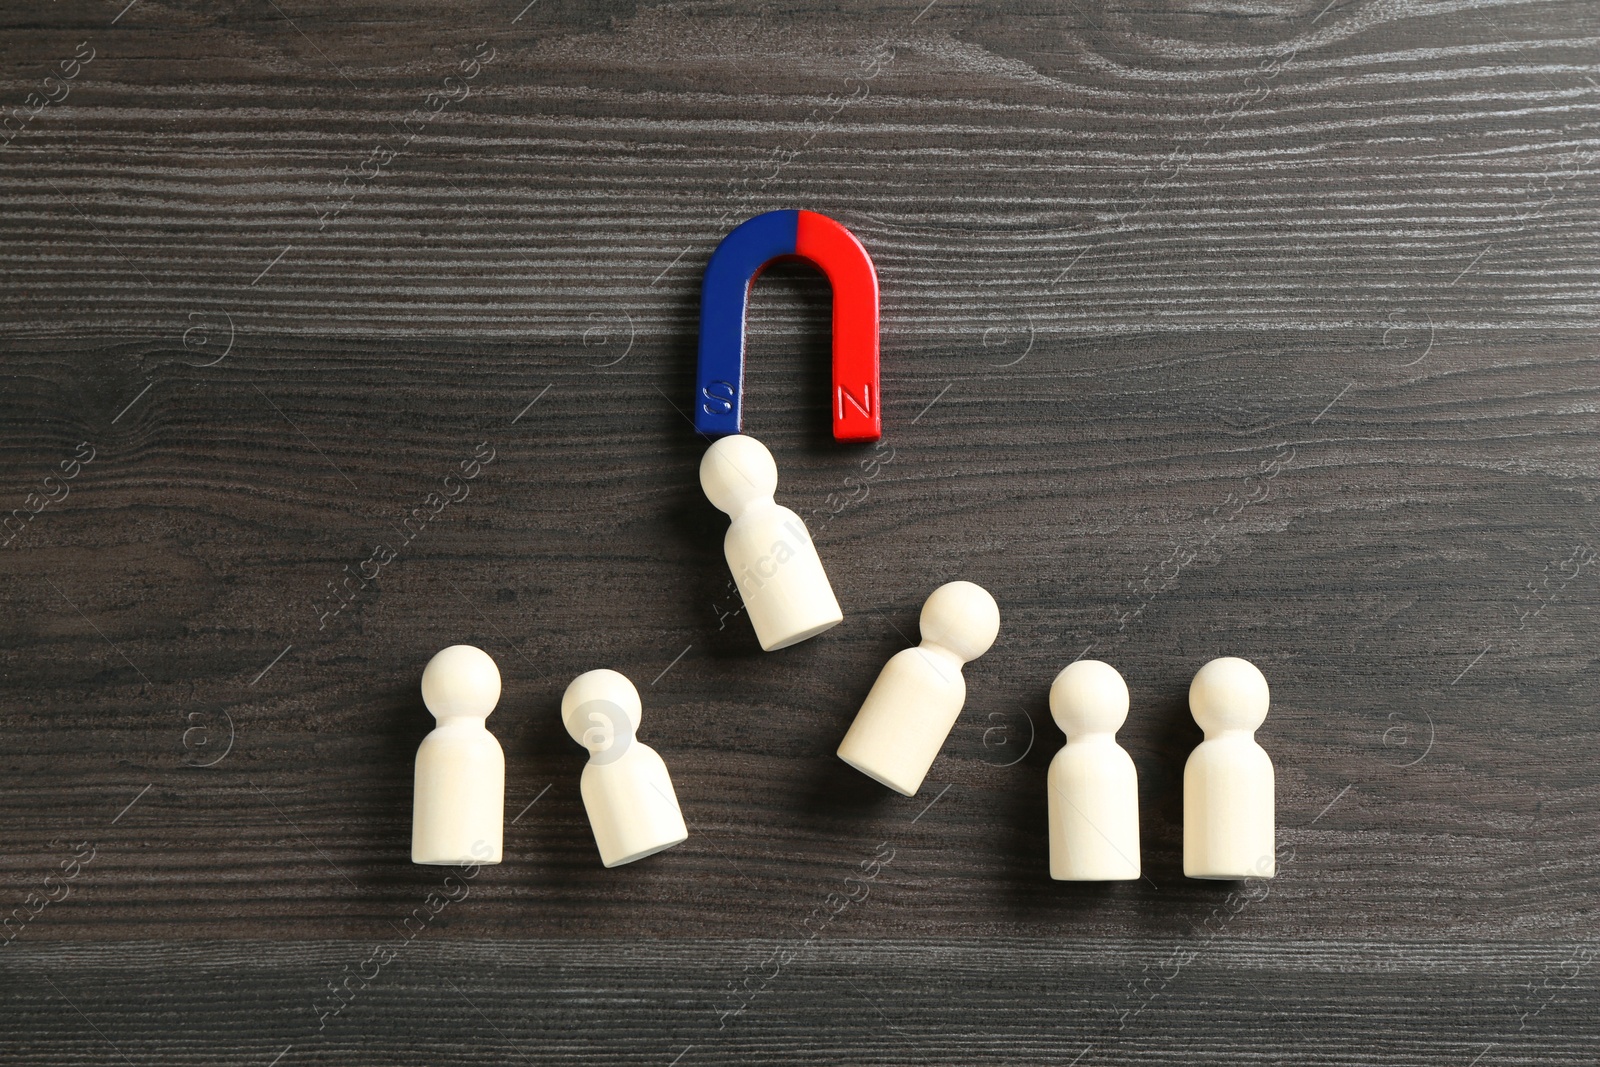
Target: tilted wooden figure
(1228, 786)
(459, 797)
(627, 792)
(913, 705)
(775, 565)
(1093, 787)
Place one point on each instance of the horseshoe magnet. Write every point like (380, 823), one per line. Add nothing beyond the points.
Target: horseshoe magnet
(739, 259)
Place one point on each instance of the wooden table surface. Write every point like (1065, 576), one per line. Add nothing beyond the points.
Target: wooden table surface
(1255, 327)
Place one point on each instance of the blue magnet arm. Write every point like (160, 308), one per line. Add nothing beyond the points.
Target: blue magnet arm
(719, 383)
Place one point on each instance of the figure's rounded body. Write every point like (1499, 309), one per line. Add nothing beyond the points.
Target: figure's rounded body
(906, 718)
(1094, 813)
(458, 806)
(1228, 810)
(780, 576)
(632, 808)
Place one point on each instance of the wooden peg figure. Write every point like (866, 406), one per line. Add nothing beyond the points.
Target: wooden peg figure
(913, 705)
(627, 792)
(1228, 802)
(1094, 789)
(459, 798)
(775, 565)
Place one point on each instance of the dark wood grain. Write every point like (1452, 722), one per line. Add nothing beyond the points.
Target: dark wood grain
(1256, 329)
(1233, 999)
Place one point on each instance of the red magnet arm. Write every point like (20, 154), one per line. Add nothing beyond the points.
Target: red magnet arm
(857, 406)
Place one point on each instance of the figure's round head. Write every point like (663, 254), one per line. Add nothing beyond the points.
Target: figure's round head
(736, 471)
(962, 617)
(1089, 697)
(461, 682)
(1229, 694)
(598, 708)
